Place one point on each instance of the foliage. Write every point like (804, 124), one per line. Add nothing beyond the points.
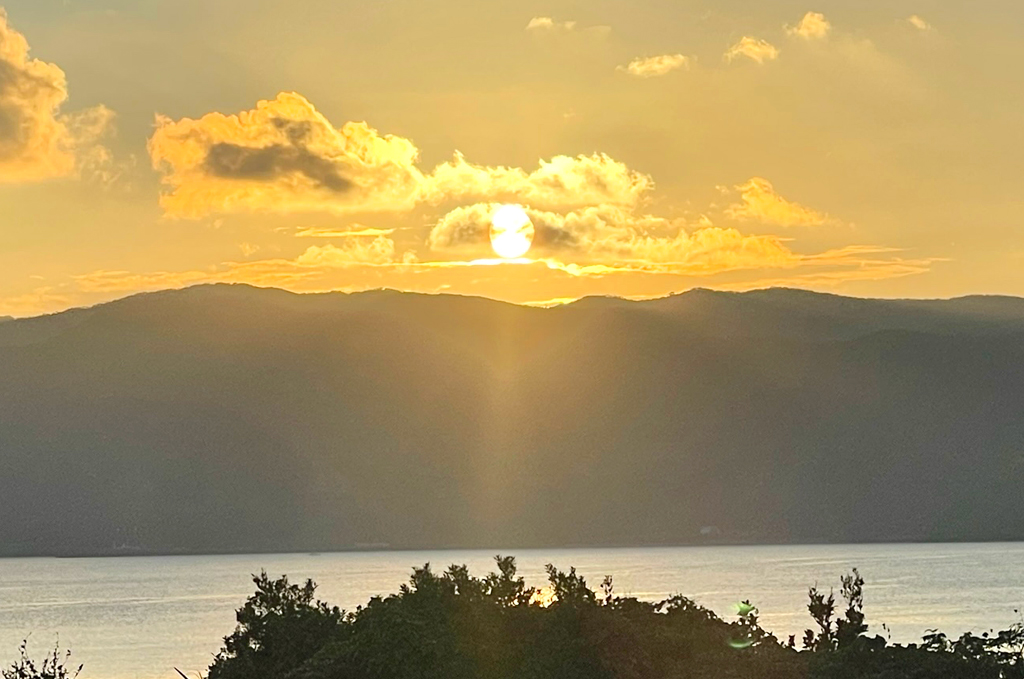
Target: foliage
(1003, 650)
(280, 627)
(453, 625)
(837, 633)
(54, 665)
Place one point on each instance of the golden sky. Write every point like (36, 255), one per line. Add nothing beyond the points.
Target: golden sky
(865, 148)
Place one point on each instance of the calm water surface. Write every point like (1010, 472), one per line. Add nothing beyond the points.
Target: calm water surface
(138, 617)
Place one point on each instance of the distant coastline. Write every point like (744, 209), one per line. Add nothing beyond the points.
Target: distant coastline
(143, 553)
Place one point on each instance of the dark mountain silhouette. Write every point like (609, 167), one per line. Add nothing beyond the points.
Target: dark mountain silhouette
(230, 418)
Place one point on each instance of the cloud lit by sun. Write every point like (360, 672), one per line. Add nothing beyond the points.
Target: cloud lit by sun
(729, 155)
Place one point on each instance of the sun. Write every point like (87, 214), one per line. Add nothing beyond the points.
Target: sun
(511, 232)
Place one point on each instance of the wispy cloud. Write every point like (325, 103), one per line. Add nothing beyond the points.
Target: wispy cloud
(37, 301)
(356, 231)
(646, 266)
(541, 25)
(353, 251)
(919, 23)
(759, 202)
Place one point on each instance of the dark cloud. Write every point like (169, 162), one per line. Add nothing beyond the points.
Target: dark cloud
(267, 163)
(553, 237)
(297, 131)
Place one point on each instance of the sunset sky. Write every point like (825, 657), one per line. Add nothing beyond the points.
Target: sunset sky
(864, 148)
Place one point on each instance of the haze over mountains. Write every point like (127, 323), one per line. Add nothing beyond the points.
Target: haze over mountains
(229, 418)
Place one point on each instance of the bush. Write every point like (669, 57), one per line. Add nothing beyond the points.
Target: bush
(54, 666)
(452, 625)
(280, 627)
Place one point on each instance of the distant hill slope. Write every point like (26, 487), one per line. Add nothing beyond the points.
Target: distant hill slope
(229, 418)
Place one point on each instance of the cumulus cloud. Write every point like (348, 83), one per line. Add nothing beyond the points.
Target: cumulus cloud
(284, 156)
(466, 228)
(650, 67)
(603, 241)
(813, 26)
(752, 48)
(647, 242)
(919, 23)
(563, 181)
(36, 141)
(618, 239)
(759, 202)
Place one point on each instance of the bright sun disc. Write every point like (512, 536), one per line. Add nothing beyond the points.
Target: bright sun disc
(511, 232)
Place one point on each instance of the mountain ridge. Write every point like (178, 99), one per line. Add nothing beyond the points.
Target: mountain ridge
(996, 306)
(233, 418)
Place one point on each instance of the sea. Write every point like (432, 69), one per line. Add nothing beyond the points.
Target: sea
(142, 617)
